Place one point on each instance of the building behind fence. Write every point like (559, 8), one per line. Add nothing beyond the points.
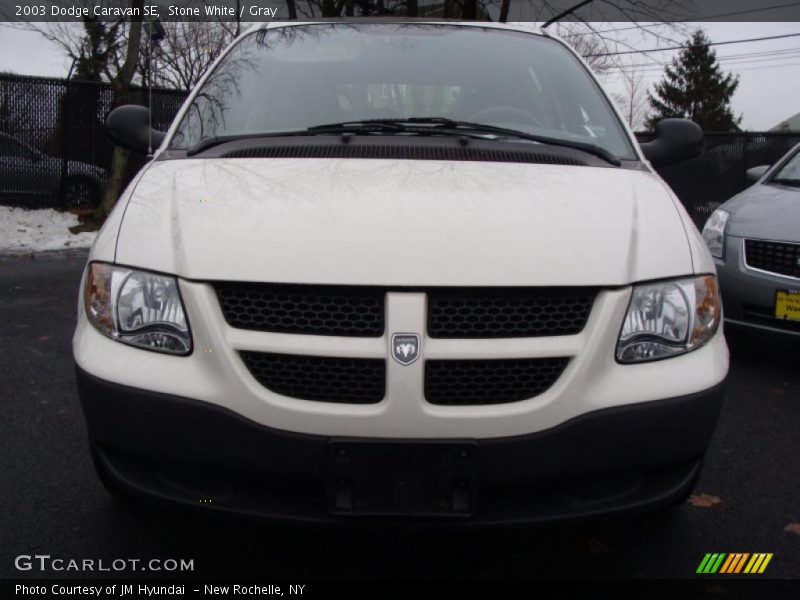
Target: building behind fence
(65, 120)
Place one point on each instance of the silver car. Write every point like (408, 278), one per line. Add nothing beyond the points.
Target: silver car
(755, 240)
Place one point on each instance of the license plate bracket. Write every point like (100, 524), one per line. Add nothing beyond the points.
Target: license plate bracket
(787, 305)
(406, 478)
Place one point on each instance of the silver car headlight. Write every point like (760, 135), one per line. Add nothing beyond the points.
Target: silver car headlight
(137, 307)
(668, 318)
(714, 232)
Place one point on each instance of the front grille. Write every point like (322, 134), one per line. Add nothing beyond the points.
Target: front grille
(323, 379)
(475, 382)
(508, 312)
(763, 315)
(452, 313)
(781, 258)
(303, 309)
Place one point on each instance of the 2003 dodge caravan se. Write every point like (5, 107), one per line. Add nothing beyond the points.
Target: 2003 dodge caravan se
(403, 270)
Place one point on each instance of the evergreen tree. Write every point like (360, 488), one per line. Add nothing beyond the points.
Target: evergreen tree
(694, 87)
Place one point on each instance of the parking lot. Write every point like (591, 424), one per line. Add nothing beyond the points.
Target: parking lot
(748, 498)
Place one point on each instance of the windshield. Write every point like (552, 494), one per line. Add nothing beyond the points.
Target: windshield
(790, 172)
(293, 78)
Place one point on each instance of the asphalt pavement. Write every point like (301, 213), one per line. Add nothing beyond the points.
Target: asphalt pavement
(748, 498)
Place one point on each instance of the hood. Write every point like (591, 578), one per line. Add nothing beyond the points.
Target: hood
(765, 211)
(402, 223)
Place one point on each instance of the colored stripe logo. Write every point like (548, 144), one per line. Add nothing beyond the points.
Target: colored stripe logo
(734, 563)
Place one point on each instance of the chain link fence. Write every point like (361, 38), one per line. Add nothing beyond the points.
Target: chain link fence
(705, 182)
(54, 151)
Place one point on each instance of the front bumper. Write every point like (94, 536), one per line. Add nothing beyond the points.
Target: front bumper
(626, 459)
(748, 295)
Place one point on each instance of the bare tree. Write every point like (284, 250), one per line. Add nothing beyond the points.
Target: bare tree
(121, 87)
(186, 52)
(592, 48)
(505, 7)
(633, 102)
(93, 45)
(101, 50)
(613, 11)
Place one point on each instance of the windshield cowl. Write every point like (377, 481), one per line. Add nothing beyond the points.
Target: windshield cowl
(397, 147)
(434, 126)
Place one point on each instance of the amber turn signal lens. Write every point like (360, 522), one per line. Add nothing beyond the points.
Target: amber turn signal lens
(97, 297)
(707, 309)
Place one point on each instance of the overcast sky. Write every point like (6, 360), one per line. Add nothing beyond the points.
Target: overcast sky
(769, 91)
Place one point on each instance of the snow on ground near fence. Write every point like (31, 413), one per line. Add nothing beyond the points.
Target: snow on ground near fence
(23, 230)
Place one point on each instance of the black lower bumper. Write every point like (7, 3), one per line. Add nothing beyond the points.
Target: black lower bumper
(627, 459)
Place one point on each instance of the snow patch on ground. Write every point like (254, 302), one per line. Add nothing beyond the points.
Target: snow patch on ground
(23, 231)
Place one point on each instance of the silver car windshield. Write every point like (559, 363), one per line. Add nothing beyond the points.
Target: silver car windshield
(790, 172)
(293, 78)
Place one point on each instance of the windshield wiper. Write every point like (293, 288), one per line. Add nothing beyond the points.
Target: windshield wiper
(785, 181)
(370, 126)
(445, 125)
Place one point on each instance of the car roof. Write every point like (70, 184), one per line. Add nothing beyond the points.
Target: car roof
(516, 26)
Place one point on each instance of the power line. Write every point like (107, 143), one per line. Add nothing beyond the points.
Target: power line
(737, 67)
(745, 12)
(653, 75)
(765, 67)
(732, 58)
(775, 54)
(593, 32)
(744, 66)
(730, 61)
(730, 14)
(760, 53)
(563, 14)
(646, 50)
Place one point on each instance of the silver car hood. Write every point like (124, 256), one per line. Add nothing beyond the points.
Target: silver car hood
(765, 211)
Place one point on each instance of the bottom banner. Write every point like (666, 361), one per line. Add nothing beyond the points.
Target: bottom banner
(379, 589)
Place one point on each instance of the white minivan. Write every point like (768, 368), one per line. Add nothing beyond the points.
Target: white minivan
(408, 270)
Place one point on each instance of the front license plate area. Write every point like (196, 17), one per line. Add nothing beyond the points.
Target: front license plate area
(402, 478)
(787, 305)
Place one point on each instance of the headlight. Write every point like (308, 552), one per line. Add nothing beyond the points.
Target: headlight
(669, 318)
(714, 232)
(138, 308)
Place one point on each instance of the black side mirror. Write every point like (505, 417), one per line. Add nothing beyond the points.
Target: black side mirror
(755, 173)
(676, 140)
(129, 127)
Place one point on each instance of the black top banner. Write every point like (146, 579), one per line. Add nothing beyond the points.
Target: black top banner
(484, 10)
